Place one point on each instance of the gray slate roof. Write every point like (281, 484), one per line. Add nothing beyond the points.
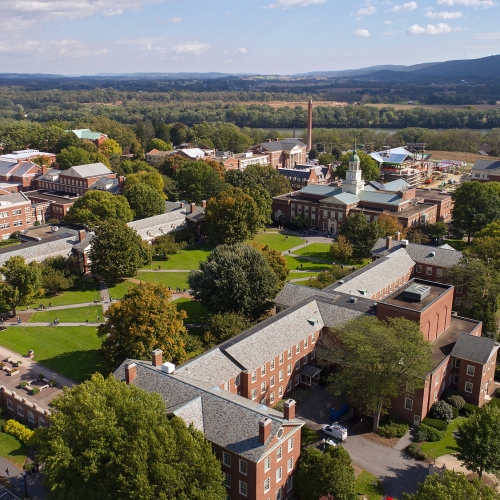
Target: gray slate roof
(226, 419)
(486, 165)
(325, 191)
(281, 145)
(475, 349)
(7, 166)
(14, 198)
(292, 294)
(380, 197)
(90, 170)
(342, 199)
(421, 254)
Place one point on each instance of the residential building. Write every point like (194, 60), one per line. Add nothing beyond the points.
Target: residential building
(85, 134)
(240, 161)
(15, 214)
(156, 157)
(28, 154)
(486, 170)
(17, 174)
(305, 175)
(284, 153)
(191, 153)
(53, 204)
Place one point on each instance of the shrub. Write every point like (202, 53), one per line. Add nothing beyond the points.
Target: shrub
(34, 391)
(455, 401)
(449, 392)
(442, 411)
(391, 428)
(495, 402)
(52, 383)
(468, 409)
(455, 412)
(413, 450)
(20, 431)
(40, 376)
(427, 433)
(440, 425)
(19, 363)
(23, 383)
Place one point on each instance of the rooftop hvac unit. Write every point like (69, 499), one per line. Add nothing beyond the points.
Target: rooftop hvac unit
(404, 243)
(417, 292)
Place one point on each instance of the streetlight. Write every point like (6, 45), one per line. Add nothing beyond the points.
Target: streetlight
(25, 486)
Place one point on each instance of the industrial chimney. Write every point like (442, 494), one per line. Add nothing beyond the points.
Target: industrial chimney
(309, 124)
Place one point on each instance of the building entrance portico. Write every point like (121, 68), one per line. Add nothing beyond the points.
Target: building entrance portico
(332, 226)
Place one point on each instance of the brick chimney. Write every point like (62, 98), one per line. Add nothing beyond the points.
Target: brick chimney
(397, 236)
(289, 409)
(44, 169)
(264, 430)
(130, 372)
(157, 357)
(81, 235)
(204, 203)
(193, 206)
(388, 242)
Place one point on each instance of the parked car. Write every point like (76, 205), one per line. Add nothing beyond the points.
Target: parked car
(331, 442)
(336, 431)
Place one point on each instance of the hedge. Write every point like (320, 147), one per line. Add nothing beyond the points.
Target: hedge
(442, 410)
(414, 451)
(440, 425)
(469, 409)
(391, 428)
(20, 431)
(455, 412)
(495, 402)
(427, 433)
(455, 401)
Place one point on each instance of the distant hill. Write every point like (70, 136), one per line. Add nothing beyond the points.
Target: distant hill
(362, 71)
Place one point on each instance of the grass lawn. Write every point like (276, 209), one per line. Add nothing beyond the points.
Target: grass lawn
(118, 290)
(70, 350)
(278, 241)
(316, 251)
(76, 315)
(293, 276)
(11, 448)
(294, 263)
(308, 436)
(174, 280)
(88, 293)
(445, 445)
(196, 313)
(189, 258)
(459, 245)
(369, 486)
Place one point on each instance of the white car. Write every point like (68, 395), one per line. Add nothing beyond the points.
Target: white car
(336, 431)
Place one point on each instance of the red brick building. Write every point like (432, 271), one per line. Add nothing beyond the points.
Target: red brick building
(15, 214)
(54, 205)
(305, 175)
(282, 154)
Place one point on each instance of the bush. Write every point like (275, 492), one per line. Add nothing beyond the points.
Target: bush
(34, 391)
(428, 433)
(440, 425)
(23, 383)
(449, 392)
(20, 431)
(468, 409)
(455, 401)
(413, 450)
(442, 411)
(455, 412)
(52, 383)
(40, 376)
(391, 428)
(495, 402)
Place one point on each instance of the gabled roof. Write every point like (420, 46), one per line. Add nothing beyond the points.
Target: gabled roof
(292, 294)
(7, 166)
(192, 152)
(325, 191)
(395, 185)
(285, 144)
(85, 171)
(342, 199)
(475, 349)
(380, 197)
(486, 165)
(86, 133)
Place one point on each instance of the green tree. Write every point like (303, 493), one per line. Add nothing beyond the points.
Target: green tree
(486, 245)
(235, 278)
(341, 250)
(263, 201)
(326, 159)
(416, 235)
(276, 262)
(165, 245)
(436, 230)
(481, 284)
(144, 320)
(376, 360)
(115, 439)
(224, 326)
(320, 474)
(117, 251)
(479, 443)
(313, 153)
(22, 283)
(55, 281)
(149, 177)
(97, 206)
(369, 168)
(477, 204)
(145, 201)
(361, 234)
(389, 225)
(72, 156)
(110, 147)
(451, 485)
(159, 145)
(197, 181)
(336, 152)
(232, 217)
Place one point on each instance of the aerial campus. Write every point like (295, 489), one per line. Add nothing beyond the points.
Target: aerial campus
(221, 278)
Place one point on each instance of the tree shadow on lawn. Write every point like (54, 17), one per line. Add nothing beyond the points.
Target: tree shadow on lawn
(76, 365)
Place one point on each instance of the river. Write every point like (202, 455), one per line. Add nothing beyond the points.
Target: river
(299, 131)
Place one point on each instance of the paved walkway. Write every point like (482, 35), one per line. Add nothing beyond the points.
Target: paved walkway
(451, 462)
(15, 489)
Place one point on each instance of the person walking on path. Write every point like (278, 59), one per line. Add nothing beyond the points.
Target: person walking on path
(98, 319)
(87, 322)
(7, 472)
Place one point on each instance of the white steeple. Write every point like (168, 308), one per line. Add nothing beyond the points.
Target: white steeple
(353, 182)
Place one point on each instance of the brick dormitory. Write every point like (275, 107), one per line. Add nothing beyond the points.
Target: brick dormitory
(229, 392)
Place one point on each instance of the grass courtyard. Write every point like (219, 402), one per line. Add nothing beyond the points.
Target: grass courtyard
(11, 448)
(189, 258)
(316, 251)
(173, 280)
(75, 315)
(446, 445)
(296, 263)
(71, 351)
(278, 241)
(196, 313)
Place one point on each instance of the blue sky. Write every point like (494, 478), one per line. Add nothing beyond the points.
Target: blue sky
(258, 36)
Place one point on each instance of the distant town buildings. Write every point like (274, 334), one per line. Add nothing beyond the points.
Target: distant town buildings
(486, 171)
(85, 134)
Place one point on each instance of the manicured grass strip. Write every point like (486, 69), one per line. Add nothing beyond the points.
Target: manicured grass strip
(75, 315)
(308, 436)
(446, 445)
(294, 263)
(459, 245)
(367, 485)
(11, 448)
(88, 293)
(72, 351)
(118, 290)
(293, 276)
(174, 280)
(189, 258)
(278, 241)
(196, 313)
(316, 251)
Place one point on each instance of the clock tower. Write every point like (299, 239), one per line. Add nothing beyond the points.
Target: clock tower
(353, 182)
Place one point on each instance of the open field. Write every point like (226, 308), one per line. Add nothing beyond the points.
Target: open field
(369, 486)
(88, 293)
(189, 258)
(196, 313)
(173, 280)
(459, 156)
(316, 251)
(75, 315)
(293, 104)
(434, 106)
(71, 351)
(278, 241)
(294, 263)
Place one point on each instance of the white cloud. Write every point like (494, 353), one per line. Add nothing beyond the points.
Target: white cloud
(362, 33)
(406, 7)
(367, 11)
(176, 20)
(192, 48)
(387, 22)
(431, 29)
(53, 50)
(488, 36)
(477, 4)
(444, 15)
(389, 33)
(289, 4)
(111, 12)
(242, 50)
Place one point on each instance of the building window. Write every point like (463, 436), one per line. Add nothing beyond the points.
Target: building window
(41, 421)
(428, 271)
(271, 398)
(31, 416)
(267, 463)
(289, 386)
(237, 381)
(272, 364)
(297, 380)
(439, 273)
(289, 353)
(227, 480)
(289, 369)
(457, 363)
(435, 395)
(280, 391)
(297, 348)
(263, 370)
(419, 269)
(267, 484)
(313, 354)
(455, 378)
(306, 343)
(281, 358)
(304, 359)
(279, 474)
(408, 404)
(20, 410)
(243, 488)
(271, 382)
(459, 289)
(289, 464)
(226, 458)
(254, 393)
(458, 301)
(470, 370)
(10, 405)
(280, 377)
(314, 337)
(290, 444)
(243, 467)
(279, 453)
(254, 376)
(262, 387)
(297, 364)
(278, 494)
(289, 483)
(468, 387)
(437, 379)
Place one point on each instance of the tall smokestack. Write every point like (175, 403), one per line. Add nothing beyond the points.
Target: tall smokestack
(309, 124)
